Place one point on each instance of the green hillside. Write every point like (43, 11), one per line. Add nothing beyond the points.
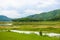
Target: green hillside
(50, 16)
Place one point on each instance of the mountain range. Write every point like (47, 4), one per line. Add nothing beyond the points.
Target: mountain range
(4, 18)
(45, 16)
(50, 16)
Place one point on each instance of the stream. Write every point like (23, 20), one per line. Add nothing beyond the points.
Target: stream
(37, 33)
(33, 32)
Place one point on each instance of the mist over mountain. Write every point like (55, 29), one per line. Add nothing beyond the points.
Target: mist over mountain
(52, 15)
(5, 18)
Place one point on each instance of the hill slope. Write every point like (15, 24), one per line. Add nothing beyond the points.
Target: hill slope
(4, 18)
(46, 16)
(52, 15)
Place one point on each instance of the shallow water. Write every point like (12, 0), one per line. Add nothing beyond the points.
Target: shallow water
(37, 33)
(52, 34)
(26, 32)
(33, 32)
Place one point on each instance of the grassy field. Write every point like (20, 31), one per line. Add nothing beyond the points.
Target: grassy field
(49, 26)
(17, 36)
(45, 26)
(42, 24)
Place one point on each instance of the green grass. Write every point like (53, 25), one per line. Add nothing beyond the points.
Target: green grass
(39, 23)
(42, 24)
(17, 36)
(53, 30)
(49, 26)
(45, 26)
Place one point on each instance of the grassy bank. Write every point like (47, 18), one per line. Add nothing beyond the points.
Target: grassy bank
(16, 36)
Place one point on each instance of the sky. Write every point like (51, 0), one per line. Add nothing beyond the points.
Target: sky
(23, 8)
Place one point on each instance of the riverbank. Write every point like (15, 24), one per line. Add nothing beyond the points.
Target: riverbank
(33, 32)
(20, 36)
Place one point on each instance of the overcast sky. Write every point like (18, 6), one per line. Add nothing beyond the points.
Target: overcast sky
(22, 8)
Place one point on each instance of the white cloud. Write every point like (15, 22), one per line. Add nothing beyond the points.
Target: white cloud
(32, 11)
(46, 3)
(13, 3)
(19, 4)
(11, 14)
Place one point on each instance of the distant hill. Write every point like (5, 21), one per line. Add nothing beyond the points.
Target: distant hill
(4, 18)
(51, 16)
